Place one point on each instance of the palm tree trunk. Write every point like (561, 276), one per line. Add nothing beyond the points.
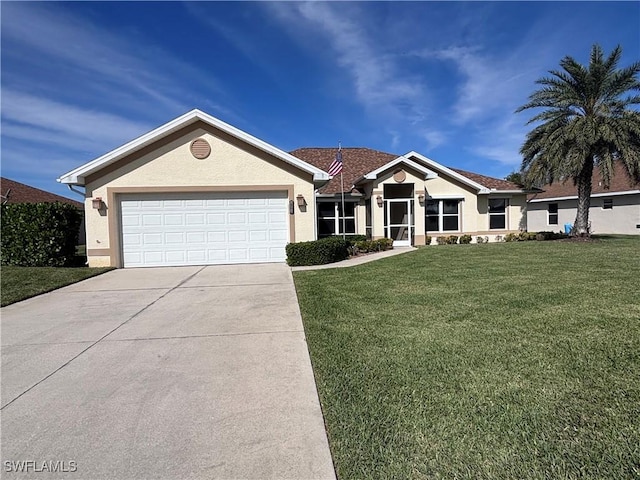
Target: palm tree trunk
(581, 225)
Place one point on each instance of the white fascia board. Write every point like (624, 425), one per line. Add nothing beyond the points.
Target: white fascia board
(437, 166)
(595, 195)
(77, 176)
(428, 174)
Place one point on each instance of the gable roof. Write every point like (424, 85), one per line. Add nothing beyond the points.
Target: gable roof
(621, 183)
(78, 175)
(16, 192)
(361, 162)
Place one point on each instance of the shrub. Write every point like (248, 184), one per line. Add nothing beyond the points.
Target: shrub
(427, 240)
(499, 238)
(317, 252)
(39, 234)
(465, 239)
(451, 239)
(441, 240)
(352, 239)
(479, 240)
(542, 236)
(379, 245)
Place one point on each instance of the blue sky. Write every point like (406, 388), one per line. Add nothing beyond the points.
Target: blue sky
(441, 78)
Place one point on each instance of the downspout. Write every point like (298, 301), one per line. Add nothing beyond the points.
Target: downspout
(76, 191)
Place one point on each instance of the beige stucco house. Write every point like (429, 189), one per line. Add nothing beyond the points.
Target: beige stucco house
(198, 191)
(612, 210)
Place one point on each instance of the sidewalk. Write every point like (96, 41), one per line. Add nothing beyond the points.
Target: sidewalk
(352, 262)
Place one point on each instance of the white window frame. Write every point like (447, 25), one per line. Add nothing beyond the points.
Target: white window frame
(338, 220)
(506, 213)
(441, 214)
(549, 214)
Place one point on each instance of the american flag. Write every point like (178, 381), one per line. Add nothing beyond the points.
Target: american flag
(336, 166)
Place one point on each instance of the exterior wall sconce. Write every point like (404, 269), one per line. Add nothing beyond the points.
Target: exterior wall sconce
(96, 203)
(379, 200)
(301, 201)
(421, 199)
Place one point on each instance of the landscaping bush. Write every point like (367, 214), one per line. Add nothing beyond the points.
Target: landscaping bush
(427, 240)
(353, 239)
(542, 236)
(441, 240)
(465, 239)
(378, 245)
(480, 240)
(39, 234)
(317, 252)
(451, 240)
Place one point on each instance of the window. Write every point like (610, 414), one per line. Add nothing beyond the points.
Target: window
(553, 214)
(330, 218)
(498, 213)
(607, 203)
(442, 215)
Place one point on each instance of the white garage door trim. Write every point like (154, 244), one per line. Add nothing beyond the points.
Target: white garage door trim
(203, 228)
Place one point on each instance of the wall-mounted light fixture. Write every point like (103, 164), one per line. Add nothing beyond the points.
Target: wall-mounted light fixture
(96, 203)
(301, 201)
(379, 200)
(421, 199)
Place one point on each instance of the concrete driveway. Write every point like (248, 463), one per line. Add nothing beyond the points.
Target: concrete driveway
(164, 373)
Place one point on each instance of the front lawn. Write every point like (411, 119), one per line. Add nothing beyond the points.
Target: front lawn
(20, 283)
(498, 361)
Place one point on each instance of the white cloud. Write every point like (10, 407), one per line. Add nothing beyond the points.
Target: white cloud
(37, 33)
(379, 84)
(27, 116)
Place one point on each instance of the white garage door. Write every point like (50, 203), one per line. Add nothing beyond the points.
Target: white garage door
(203, 228)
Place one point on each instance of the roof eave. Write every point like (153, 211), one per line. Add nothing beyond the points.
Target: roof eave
(77, 176)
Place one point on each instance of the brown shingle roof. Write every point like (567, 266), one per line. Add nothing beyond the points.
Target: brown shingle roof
(355, 163)
(360, 161)
(21, 193)
(489, 182)
(620, 182)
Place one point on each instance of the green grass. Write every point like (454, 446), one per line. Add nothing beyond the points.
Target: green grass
(499, 361)
(20, 283)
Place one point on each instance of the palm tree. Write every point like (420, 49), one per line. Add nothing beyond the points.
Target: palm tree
(586, 122)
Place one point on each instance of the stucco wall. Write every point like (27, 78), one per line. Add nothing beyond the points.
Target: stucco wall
(621, 219)
(232, 165)
(473, 207)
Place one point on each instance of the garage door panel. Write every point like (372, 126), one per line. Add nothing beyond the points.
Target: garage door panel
(197, 228)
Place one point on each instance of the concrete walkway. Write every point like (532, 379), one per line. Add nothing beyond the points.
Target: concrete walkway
(352, 262)
(166, 373)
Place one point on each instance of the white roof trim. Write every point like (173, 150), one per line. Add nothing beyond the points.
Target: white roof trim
(575, 197)
(78, 175)
(402, 159)
(461, 178)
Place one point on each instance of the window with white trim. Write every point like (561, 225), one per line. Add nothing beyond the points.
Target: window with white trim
(552, 212)
(330, 218)
(442, 215)
(607, 203)
(498, 213)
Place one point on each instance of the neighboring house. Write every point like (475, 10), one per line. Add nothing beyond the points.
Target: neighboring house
(16, 192)
(612, 210)
(198, 191)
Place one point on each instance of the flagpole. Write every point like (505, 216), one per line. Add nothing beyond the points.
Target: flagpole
(344, 213)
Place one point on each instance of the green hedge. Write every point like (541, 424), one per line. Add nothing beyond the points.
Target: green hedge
(367, 246)
(318, 252)
(39, 234)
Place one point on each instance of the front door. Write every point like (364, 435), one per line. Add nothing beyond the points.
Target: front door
(398, 221)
